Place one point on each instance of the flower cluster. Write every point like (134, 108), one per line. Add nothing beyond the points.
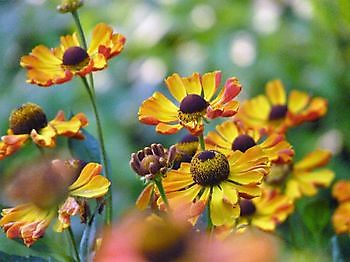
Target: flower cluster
(243, 173)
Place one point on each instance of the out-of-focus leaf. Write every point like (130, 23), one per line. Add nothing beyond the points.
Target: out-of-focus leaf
(11, 258)
(87, 149)
(316, 215)
(87, 240)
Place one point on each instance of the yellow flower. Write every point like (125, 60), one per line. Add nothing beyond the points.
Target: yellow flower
(230, 136)
(195, 97)
(29, 121)
(29, 221)
(266, 211)
(275, 112)
(304, 177)
(47, 67)
(213, 178)
(341, 216)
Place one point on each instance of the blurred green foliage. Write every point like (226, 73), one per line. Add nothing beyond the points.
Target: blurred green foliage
(305, 43)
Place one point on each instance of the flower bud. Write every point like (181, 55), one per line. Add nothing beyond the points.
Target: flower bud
(69, 5)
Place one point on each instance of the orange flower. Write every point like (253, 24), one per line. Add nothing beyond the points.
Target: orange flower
(275, 112)
(266, 211)
(304, 177)
(195, 97)
(47, 67)
(218, 180)
(341, 216)
(230, 136)
(29, 221)
(29, 121)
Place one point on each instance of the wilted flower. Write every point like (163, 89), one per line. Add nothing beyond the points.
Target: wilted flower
(29, 121)
(47, 67)
(195, 97)
(275, 112)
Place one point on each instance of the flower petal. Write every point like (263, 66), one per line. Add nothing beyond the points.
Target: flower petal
(275, 92)
(210, 83)
(192, 84)
(297, 101)
(317, 158)
(144, 198)
(176, 87)
(156, 109)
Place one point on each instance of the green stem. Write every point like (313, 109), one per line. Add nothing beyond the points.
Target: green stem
(80, 28)
(201, 141)
(158, 182)
(74, 245)
(210, 223)
(103, 149)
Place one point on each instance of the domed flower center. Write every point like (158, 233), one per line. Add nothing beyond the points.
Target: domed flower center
(75, 57)
(26, 118)
(243, 143)
(209, 168)
(192, 104)
(247, 207)
(278, 112)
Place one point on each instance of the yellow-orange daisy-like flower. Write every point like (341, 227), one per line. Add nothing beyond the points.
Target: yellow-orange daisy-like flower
(341, 216)
(30, 121)
(47, 67)
(213, 178)
(231, 135)
(304, 177)
(29, 221)
(195, 97)
(275, 112)
(265, 212)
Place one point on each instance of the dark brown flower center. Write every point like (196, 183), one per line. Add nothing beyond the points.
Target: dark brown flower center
(243, 143)
(26, 118)
(75, 56)
(209, 168)
(193, 104)
(278, 112)
(247, 207)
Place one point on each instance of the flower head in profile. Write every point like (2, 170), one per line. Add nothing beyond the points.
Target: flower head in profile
(29, 121)
(341, 216)
(231, 135)
(47, 67)
(195, 101)
(265, 212)
(276, 112)
(217, 180)
(150, 164)
(304, 177)
(59, 193)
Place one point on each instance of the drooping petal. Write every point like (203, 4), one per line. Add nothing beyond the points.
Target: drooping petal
(101, 35)
(90, 183)
(26, 221)
(168, 129)
(222, 211)
(45, 137)
(71, 127)
(144, 198)
(69, 208)
(11, 144)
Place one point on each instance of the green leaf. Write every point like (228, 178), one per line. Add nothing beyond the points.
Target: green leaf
(10, 258)
(87, 150)
(316, 215)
